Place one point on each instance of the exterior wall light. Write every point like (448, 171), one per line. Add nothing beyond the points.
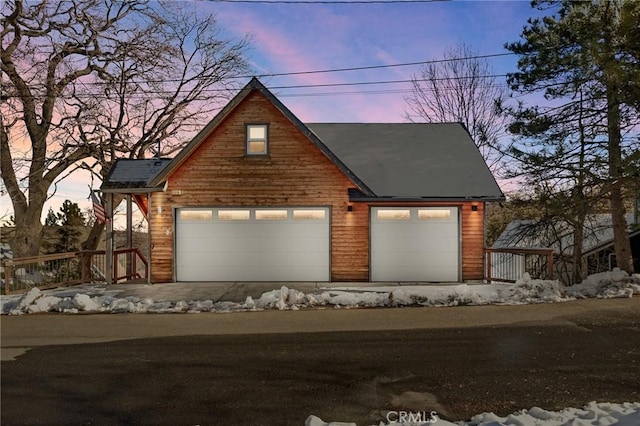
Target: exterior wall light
(349, 208)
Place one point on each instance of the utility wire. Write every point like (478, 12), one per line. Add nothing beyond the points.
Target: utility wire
(375, 92)
(365, 83)
(329, 1)
(312, 86)
(329, 70)
(370, 67)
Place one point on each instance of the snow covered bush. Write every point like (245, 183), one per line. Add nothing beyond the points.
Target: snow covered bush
(606, 285)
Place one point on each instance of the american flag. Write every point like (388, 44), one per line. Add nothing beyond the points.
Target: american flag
(98, 209)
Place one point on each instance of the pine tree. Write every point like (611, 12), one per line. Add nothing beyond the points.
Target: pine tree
(71, 222)
(50, 238)
(585, 58)
(51, 219)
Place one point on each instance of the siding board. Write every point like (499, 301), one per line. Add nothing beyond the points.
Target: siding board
(294, 173)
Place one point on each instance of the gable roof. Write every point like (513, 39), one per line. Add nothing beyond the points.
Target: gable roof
(398, 161)
(134, 175)
(255, 84)
(412, 160)
(558, 234)
(609, 243)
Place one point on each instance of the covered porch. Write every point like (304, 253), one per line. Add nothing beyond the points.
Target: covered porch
(128, 182)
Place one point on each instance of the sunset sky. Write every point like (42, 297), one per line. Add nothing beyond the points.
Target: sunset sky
(303, 37)
(307, 37)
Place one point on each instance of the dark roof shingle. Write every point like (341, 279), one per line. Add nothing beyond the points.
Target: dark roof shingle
(411, 160)
(128, 175)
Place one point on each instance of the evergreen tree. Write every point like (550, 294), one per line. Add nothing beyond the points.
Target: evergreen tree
(51, 219)
(71, 222)
(50, 240)
(585, 58)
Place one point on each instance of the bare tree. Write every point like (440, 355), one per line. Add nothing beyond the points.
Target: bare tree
(460, 88)
(87, 81)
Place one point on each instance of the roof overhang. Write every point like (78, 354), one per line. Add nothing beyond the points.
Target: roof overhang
(423, 199)
(356, 196)
(606, 244)
(132, 190)
(133, 176)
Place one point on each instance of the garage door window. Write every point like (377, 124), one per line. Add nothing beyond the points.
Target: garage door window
(398, 214)
(196, 215)
(309, 214)
(233, 214)
(271, 215)
(434, 214)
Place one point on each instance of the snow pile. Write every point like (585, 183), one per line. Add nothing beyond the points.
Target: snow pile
(525, 291)
(317, 421)
(284, 298)
(592, 414)
(607, 285)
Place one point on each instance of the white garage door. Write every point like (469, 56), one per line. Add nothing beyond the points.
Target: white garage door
(252, 244)
(415, 244)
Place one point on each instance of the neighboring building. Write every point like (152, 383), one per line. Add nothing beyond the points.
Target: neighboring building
(259, 196)
(603, 258)
(597, 246)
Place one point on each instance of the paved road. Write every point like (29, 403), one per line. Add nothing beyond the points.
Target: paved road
(276, 368)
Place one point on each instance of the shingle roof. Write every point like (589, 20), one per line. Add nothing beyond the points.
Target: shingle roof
(133, 175)
(558, 234)
(411, 160)
(384, 160)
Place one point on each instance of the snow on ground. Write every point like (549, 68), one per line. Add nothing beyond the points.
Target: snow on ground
(93, 298)
(592, 414)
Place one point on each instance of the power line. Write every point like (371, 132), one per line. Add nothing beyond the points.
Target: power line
(312, 86)
(365, 83)
(329, 70)
(373, 92)
(320, 71)
(359, 2)
(370, 67)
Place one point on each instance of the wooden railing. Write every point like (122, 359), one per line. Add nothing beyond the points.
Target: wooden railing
(509, 264)
(135, 265)
(63, 269)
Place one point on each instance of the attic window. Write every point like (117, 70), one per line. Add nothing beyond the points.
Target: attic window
(257, 137)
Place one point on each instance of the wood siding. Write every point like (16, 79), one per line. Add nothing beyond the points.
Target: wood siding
(472, 241)
(294, 173)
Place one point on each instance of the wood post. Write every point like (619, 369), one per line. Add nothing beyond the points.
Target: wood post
(129, 234)
(109, 239)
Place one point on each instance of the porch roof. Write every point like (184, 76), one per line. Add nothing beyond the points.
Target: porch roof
(131, 176)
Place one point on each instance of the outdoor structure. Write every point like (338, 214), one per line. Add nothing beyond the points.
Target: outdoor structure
(603, 258)
(597, 246)
(258, 195)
